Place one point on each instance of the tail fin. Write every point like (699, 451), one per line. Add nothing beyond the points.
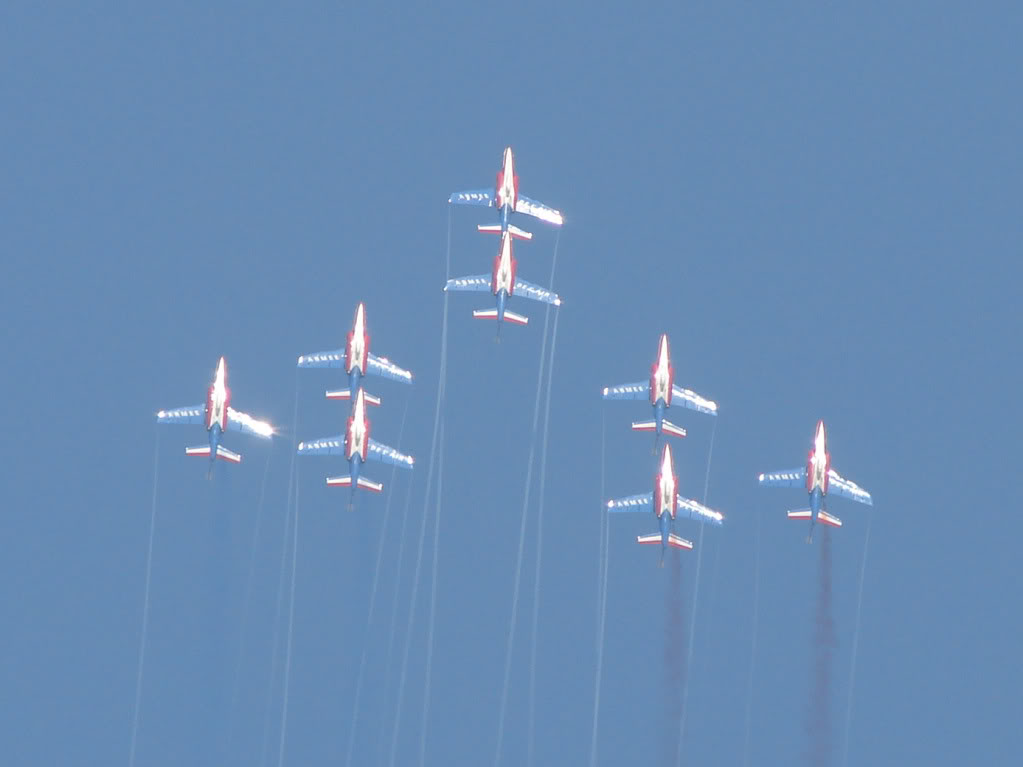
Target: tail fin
(371, 399)
(365, 484)
(203, 451)
(827, 519)
(800, 514)
(514, 231)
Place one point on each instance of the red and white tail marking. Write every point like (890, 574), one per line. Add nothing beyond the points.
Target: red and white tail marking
(679, 542)
(491, 314)
(800, 514)
(364, 483)
(649, 539)
(644, 425)
(669, 428)
(828, 519)
(222, 453)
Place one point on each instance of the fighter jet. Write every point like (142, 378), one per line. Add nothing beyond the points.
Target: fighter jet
(667, 505)
(357, 447)
(818, 477)
(660, 389)
(503, 284)
(506, 198)
(357, 360)
(217, 416)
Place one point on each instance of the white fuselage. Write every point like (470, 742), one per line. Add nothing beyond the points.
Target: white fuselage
(503, 271)
(357, 428)
(358, 350)
(819, 458)
(218, 397)
(506, 193)
(666, 485)
(661, 379)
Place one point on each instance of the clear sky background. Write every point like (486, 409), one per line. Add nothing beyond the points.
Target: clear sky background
(819, 202)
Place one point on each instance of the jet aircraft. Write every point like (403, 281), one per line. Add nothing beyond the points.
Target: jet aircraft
(667, 504)
(357, 360)
(503, 284)
(217, 416)
(357, 447)
(818, 477)
(660, 389)
(506, 198)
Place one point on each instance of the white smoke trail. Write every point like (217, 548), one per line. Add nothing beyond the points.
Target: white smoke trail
(373, 595)
(522, 538)
(539, 524)
(433, 601)
(394, 617)
(145, 605)
(696, 597)
(291, 626)
(601, 594)
(753, 645)
(245, 602)
(280, 579)
(441, 385)
(855, 646)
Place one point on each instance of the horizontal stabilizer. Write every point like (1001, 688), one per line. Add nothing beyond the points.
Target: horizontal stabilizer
(222, 453)
(649, 539)
(679, 543)
(371, 399)
(365, 484)
(491, 314)
(644, 425)
(800, 514)
(514, 231)
(669, 428)
(827, 519)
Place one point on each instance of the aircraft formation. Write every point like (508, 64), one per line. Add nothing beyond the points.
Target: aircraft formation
(357, 447)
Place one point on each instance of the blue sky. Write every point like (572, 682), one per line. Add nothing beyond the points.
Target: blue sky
(819, 203)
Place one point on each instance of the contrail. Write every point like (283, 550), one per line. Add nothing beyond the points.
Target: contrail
(601, 594)
(441, 384)
(855, 646)
(522, 539)
(373, 595)
(539, 522)
(433, 601)
(819, 718)
(145, 604)
(291, 626)
(280, 578)
(696, 597)
(245, 602)
(673, 681)
(394, 616)
(753, 646)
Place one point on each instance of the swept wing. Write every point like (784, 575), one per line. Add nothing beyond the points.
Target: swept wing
(193, 414)
(841, 486)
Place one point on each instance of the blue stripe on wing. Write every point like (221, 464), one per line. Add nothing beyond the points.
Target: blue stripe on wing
(641, 502)
(323, 446)
(847, 489)
(383, 367)
(693, 401)
(484, 197)
(193, 414)
(477, 282)
(535, 292)
(694, 510)
(640, 390)
(790, 478)
(384, 454)
(333, 359)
